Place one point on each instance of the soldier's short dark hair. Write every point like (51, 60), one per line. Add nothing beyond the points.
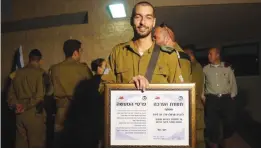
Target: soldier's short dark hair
(96, 63)
(142, 3)
(218, 49)
(190, 47)
(35, 55)
(70, 46)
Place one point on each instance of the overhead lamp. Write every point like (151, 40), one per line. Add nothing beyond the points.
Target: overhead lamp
(117, 10)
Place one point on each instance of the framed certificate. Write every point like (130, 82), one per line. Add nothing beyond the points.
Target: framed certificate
(162, 116)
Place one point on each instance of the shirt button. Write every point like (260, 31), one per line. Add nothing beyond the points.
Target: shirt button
(217, 84)
(216, 73)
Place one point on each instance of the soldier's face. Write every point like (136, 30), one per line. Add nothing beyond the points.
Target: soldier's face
(213, 55)
(101, 68)
(143, 21)
(158, 37)
(190, 54)
(41, 62)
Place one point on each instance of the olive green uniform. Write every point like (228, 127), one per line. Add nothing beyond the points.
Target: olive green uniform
(28, 88)
(64, 77)
(184, 61)
(198, 78)
(125, 62)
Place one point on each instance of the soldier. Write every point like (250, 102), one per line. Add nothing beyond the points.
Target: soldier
(198, 78)
(98, 66)
(26, 95)
(165, 38)
(220, 91)
(129, 61)
(64, 77)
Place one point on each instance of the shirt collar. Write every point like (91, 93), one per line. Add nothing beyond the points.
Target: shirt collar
(70, 59)
(218, 65)
(34, 65)
(131, 46)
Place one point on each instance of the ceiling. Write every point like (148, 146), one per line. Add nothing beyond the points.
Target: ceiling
(213, 24)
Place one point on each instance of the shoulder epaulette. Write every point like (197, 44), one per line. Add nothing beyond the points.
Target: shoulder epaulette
(204, 65)
(83, 63)
(170, 50)
(122, 44)
(227, 64)
(167, 49)
(183, 55)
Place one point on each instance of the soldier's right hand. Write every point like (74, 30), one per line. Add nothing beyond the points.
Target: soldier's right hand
(140, 82)
(19, 108)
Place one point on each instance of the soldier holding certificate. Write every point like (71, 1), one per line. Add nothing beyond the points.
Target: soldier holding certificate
(140, 61)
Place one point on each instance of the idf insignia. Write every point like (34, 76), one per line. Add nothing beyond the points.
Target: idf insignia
(181, 78)
(12, 75)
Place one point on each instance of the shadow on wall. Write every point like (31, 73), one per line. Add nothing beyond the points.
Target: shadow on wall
(249, 129)
(7, 120)
(8, 116)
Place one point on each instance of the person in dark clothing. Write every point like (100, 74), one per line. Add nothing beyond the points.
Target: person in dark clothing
(98, 66)
(83, 126)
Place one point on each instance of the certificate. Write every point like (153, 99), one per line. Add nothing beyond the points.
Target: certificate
(162, 116)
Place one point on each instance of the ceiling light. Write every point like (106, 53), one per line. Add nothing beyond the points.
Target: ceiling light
(117, 10)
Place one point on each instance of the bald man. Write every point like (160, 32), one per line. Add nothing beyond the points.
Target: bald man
(220, 89)
(165, 38)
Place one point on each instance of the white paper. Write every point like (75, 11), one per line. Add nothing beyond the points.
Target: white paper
(149, 118)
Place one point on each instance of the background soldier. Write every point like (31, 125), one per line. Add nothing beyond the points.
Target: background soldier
(165, 38)
(198, 78)
(220, 90)
(64, 77)
(26, 95)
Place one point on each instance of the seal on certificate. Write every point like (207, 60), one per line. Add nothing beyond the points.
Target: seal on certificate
(180, 98)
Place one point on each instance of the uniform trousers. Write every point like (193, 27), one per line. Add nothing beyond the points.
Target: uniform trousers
(30, 129)
(219, 109)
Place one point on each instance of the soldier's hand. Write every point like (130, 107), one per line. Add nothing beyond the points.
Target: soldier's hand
(203, 99)
(140, 82)
(19, 108)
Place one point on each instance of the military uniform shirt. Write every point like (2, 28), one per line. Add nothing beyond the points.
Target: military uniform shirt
(184, 61)
(220, 79)
(66, 75)
(198, 77)
(27, 86)
(185, 64)
(125, 62)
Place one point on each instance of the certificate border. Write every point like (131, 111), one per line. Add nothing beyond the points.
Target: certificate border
(192, 111)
